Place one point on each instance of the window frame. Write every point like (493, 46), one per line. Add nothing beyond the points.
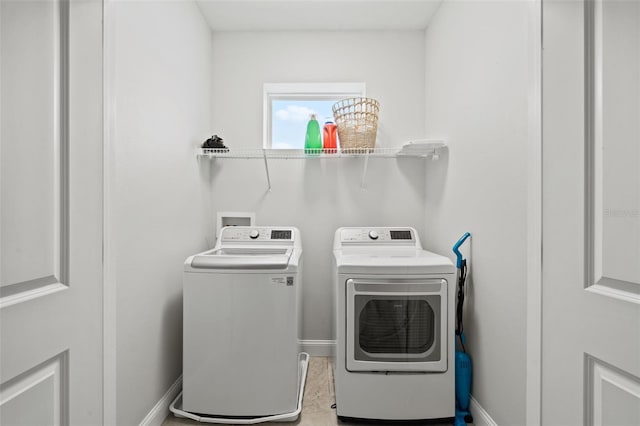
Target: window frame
(302, 91)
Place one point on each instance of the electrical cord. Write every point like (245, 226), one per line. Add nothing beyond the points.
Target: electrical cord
(459, 324)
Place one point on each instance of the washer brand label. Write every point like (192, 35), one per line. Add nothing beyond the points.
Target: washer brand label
(282, 280)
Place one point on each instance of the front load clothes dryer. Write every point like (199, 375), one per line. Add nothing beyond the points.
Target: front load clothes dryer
(394, 326)
(242, 324)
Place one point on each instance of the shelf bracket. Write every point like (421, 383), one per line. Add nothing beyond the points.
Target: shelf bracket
(266, 168)
(436, 154)
(364, 172)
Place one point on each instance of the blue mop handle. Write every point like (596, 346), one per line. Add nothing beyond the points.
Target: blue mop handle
(457, 245)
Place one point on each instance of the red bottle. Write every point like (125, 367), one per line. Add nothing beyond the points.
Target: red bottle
(330, 138)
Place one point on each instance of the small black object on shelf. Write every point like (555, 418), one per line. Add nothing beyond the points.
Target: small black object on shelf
(215, 142)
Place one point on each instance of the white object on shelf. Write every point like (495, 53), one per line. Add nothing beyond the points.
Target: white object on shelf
(422, 148)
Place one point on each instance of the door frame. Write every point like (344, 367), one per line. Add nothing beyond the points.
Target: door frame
(109, 300)
(533, 389)
(534, 220)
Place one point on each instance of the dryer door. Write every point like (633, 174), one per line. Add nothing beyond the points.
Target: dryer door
(396, 325)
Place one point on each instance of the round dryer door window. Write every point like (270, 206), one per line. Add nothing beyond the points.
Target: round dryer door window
(396, 325)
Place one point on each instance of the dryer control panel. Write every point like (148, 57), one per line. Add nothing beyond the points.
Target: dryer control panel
(374, 236)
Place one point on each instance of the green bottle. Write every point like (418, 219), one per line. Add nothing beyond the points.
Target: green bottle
(313, 140)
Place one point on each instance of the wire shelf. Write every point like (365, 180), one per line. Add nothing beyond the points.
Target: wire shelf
(430, 150)
(417, 149)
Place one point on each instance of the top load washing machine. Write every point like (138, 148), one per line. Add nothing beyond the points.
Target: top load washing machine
(242, 316)
(394, 326)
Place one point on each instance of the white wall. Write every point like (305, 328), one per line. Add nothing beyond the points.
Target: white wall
(161, 94)
(476, 99)
(319, 196)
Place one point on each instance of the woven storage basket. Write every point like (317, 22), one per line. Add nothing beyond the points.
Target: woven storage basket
(357, 121)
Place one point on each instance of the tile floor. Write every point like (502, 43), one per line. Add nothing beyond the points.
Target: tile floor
(316, 407)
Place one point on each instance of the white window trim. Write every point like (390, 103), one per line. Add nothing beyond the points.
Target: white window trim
(303, 91)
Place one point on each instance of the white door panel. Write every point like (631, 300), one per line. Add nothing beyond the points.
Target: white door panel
(29, 123)
(51, 212)
(36, 396)
(591, 229)
(616, 155)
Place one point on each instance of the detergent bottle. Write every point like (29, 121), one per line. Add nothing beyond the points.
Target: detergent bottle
(313, 140)
(330, 142)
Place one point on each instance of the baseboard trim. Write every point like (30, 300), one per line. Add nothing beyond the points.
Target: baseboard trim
(318, 347)
(161, 410)
(480, 415)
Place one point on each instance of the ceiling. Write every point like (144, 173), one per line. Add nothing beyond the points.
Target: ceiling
(318, 15)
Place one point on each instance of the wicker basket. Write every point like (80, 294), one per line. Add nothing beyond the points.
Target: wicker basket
(357, 121)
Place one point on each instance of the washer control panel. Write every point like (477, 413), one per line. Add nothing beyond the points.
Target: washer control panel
(378, 235)
(250, 234)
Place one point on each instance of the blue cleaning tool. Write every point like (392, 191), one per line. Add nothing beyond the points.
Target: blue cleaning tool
(462, 359)
(456, 250)
(463, 388)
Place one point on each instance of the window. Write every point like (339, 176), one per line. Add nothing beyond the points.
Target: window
(288, 106)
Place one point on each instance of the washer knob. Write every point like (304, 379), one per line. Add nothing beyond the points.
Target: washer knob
(254, 234)
(373, 235)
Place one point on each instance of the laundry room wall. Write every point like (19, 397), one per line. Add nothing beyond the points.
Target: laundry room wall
(318, 196)
(160, 111)
(477, 100)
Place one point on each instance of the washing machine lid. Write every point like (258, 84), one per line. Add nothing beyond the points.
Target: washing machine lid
(392, 261)
(242, 258)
